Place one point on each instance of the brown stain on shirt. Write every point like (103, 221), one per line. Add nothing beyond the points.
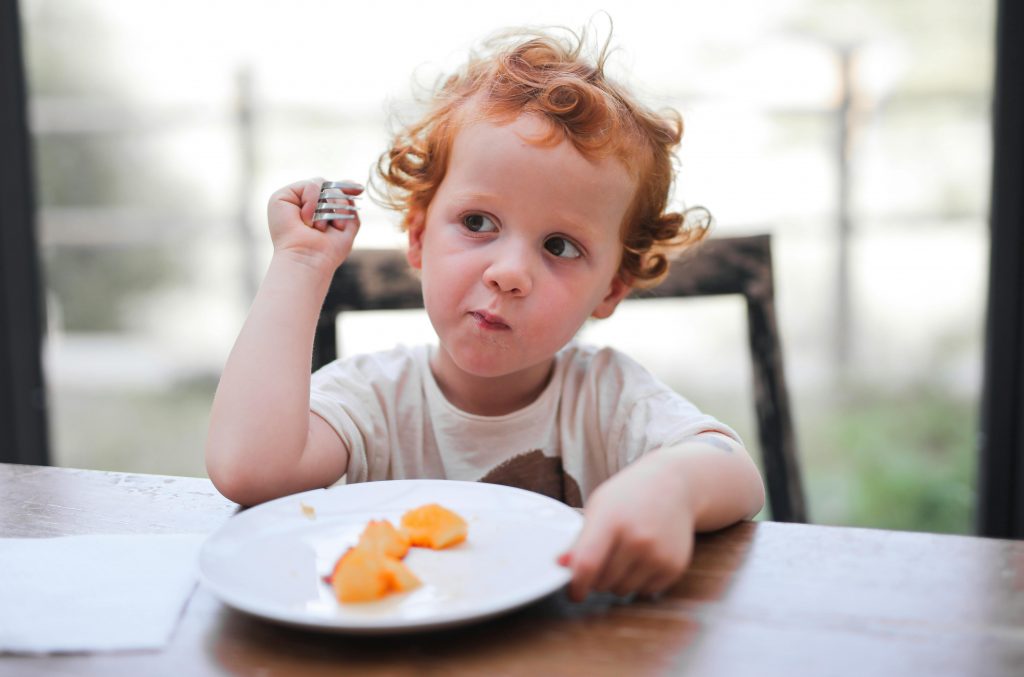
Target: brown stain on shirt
(534, 471)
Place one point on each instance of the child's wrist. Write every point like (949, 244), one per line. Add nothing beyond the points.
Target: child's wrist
(671, 467)
(317, 264)
(315, 270)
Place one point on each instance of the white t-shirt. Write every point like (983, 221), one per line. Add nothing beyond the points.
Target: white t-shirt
(600, 412)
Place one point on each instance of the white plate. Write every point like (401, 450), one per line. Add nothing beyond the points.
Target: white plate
(270, 560)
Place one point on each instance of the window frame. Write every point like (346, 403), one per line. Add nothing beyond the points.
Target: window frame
(1000, 511)
(23, 427)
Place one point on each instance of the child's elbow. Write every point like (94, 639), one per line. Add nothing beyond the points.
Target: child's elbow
(232, 477)
(754, 490)
(748, 482)
(757, 496)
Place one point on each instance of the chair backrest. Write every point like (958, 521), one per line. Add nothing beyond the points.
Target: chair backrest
(383, 280)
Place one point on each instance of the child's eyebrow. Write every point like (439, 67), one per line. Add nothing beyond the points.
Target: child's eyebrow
(475, 196)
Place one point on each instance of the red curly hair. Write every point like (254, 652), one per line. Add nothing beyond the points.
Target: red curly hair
(540, 74)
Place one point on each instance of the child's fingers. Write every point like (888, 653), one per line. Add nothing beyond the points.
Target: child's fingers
(310, 195)
(618, 567)
(632, 580)
(285, 201)
(342, 236)
(671, 569)
(342, 224)
(587, 559)
(344, 232)
(353, 189)
(295, 193)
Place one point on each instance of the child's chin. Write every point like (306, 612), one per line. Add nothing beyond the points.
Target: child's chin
(484, 368)
(483, 364)
(491, 365)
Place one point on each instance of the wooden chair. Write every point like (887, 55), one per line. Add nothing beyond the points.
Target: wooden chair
(382, 280)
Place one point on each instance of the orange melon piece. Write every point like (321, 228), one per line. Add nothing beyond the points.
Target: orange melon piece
(400, 578)
(363, 575)
(382, 536)
(434, 526)
(360, 576)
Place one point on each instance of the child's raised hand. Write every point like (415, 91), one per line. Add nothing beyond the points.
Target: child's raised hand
(637, 535)
(292, 229)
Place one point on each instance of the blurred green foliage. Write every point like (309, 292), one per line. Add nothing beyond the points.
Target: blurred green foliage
(92, 169)
(901, 460)
(154, 432)
(96, 286)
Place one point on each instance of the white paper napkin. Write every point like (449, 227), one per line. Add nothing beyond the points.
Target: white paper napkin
(94, 593)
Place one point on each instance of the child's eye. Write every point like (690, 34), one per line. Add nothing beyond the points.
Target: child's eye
(478, 223)
(561, 247)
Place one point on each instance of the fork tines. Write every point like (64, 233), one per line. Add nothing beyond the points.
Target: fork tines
(333, 203)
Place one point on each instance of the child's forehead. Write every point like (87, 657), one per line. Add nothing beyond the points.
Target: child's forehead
(532, 144)
(474, 115)
(495, 135)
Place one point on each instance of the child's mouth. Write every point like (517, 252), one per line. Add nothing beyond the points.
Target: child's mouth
(488, 321)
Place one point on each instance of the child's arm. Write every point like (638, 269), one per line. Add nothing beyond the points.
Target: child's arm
(640, 524)
(263, 441)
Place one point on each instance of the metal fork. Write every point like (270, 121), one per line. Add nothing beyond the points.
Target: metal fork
(333, 203)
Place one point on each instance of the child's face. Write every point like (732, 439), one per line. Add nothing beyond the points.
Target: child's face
(519, 246)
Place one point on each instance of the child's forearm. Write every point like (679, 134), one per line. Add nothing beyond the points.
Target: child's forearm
(639, 526)
(259, 422)
(718, 482)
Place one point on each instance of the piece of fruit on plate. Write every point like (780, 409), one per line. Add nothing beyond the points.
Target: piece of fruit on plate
(363, 575)
(382, 536)
(434, 526)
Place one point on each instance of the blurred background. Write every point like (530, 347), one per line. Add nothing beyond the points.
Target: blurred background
(857, 133)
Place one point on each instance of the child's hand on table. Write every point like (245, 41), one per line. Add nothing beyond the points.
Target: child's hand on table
(638, 534)
(292, 229)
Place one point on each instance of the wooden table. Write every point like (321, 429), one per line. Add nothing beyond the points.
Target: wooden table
(760, 599)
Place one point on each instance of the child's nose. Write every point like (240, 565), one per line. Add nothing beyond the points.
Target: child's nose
(510, 273)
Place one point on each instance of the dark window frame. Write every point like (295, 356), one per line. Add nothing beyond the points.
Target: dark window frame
(23, 429)
(1001, 438)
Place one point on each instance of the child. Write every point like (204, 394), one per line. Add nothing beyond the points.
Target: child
(534, 197)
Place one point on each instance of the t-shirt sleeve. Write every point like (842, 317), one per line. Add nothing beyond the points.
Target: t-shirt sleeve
(662, 420)
(347, 394)
(650, 415)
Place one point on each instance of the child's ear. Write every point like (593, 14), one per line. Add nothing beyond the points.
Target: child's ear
(618, 290)
(414, 226)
